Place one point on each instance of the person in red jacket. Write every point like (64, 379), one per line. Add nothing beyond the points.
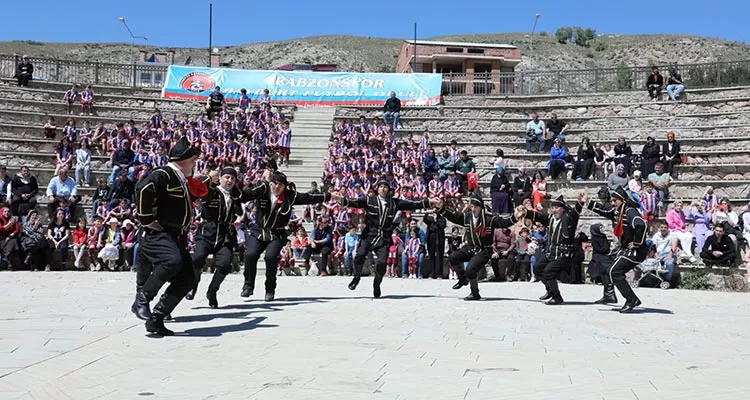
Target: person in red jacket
(80, 242)
(10, 230)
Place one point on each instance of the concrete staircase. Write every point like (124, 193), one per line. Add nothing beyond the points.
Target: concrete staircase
(311, 130)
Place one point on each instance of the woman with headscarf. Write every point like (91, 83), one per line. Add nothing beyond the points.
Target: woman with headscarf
(600, 257)
(522, 187)
(499, 190)
(671, 153)
(584, 162)
(623, 153)
(701, 223)
(650, 155)
(35, 243)
(10, 230)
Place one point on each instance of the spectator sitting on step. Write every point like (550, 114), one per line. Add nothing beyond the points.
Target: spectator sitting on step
(70, 97)
(24, 72)
(522, 186)
(635, 186)
(584, 161)
(446, 164)
(535, 133)
(724, 215)
(50, 128)
(392, 109)
(675, 86)
(62, 190)
(10, 231)
(676, 220)
(671, 153)
(660, 180)
(555, 128)
(64, 154)
(650, 155)
(617, 179)
(718, 249)
(70, 130)
(651, 204)
(556, 164)
(539, 191)
(83, 164)
(122, 189)
(654, 84)
(123, 159)
(6, 187)
(623, 154)
(24, 189)
(667, 248)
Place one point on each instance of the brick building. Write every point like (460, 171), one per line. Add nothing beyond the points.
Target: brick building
(481, 63)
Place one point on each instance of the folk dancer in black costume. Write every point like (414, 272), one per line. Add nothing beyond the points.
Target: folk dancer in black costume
(165, 209)
(630, 229)
(376, 236)
(561, 222)
(216, 234)
(274, 198)
(479, 227)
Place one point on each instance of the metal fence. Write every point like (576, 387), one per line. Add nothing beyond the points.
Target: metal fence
(86, 72)
(731, 73)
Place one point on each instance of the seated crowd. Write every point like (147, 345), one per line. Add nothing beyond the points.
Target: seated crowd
(250, 137)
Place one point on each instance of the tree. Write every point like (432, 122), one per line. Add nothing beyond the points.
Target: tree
(564, 34)
(583, 37)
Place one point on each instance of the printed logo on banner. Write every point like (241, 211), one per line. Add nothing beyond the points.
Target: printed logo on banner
(197, 82)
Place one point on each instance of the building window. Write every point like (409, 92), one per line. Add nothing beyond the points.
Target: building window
(475, 51)
(454, 50)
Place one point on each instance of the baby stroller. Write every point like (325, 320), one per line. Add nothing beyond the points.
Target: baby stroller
(652, 267)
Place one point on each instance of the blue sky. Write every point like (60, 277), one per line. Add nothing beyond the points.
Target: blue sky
(185, 23)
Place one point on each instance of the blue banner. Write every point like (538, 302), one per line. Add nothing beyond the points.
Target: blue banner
(303, 88)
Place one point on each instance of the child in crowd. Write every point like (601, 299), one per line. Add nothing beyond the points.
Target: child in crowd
(392, 266)
(412, 250)
(87, 100)
(70, 97)
(286, 259)
(94, 243)
(522, 254)
(80, 242)
(454, 244)
(50, 128)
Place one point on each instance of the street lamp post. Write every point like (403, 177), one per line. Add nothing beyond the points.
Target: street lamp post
(132, 40)
(531, 51)
(531, 45)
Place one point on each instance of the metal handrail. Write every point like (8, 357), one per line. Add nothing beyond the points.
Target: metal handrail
(555, 82)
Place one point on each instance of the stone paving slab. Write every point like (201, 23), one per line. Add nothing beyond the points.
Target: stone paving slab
(70, 335)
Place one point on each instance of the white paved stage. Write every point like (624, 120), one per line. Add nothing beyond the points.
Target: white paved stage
(72, 336)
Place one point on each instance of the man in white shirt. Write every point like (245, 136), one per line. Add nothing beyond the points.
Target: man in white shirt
(667, 248)
(535, 133)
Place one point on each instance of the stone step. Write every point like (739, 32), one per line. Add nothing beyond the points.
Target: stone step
(54, 95)
(98, 89)
(43, 102)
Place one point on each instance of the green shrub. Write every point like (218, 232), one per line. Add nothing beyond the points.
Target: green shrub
(600, 45)
(696, 280)
(543, 34)
(564, 34)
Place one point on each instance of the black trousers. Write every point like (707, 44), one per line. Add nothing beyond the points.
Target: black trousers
(548, 270)
(23, 80)
(381, 257)
(503, 270)
(168, 260)
(435, 251)
(222, 259)
(583, 169)
(22, 207)
(254, 247)
(325, 253)
(556, 167)
(476, 259)
(654, 92)
(625, 260)
(710, 259)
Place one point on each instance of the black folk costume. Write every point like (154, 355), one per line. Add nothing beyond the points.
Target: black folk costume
(376, 236)
(216, 235)
(269, 232)
(561, 245)
(630, 229)
(164, 196)
(477, 244)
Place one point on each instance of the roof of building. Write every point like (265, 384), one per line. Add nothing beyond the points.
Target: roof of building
(461, 44)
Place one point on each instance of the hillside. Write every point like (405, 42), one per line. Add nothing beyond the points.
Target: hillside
(353, 53)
